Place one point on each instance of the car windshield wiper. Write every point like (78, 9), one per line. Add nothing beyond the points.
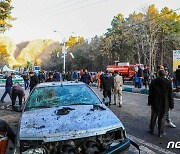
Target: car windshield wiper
(80, 104)
(97, 107)
(38, 107)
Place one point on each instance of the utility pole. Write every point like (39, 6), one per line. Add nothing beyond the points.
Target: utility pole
(64, 54)
(64, 50)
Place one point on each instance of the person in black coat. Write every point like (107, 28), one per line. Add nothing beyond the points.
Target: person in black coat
(178, 76)
(86, 78)
(146, 76)
(68, 76)
(8, 87)
(56, 76)
(41, 77)
(33, 80)
(140, 76)
(51, 78)
(161, 100)
(107, 84)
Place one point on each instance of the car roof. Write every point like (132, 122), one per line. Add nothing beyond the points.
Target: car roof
(64, 83)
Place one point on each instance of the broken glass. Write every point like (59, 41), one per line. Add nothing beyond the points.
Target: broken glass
(54, 96)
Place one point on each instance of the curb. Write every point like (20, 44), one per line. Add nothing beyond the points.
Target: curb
(135, 90)
(141, 91)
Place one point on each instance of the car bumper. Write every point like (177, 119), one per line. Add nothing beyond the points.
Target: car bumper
(122, 147)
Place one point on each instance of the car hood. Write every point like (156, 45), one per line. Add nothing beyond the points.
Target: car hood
(47, 125)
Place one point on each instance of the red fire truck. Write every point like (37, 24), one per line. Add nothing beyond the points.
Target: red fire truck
(125, 69)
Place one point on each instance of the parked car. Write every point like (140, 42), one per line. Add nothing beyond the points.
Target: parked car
(2, 76)
(69, 118)
(16, 78)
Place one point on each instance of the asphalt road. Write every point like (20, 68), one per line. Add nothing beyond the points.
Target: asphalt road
(135, 115)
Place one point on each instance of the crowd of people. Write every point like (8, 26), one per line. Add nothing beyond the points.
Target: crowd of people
(144, 76)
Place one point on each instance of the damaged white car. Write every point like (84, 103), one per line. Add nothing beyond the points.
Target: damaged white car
(69, 118)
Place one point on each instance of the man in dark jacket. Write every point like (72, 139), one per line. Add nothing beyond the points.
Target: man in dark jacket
(8, 87)
(26, 80)
(161, 100)
(51, 78)
(75, 75)
(33, 80)
(56, 76)
(178, 76)
(140, 76)
(86, 78)
(146, 76)
(68, 76)
(41, 77)
(107, 85)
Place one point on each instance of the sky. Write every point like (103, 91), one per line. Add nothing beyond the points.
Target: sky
(37, 19)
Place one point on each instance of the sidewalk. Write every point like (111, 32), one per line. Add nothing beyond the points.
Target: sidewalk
(130, 88)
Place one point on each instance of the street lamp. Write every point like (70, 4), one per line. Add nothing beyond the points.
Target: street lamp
(64, 51)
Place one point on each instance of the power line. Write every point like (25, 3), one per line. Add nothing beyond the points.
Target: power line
(48, 8)
(56, 13)
(57, 10)
(82, 7)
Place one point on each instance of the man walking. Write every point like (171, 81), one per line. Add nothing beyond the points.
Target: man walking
(140, 76)
(8, 87)
(33, 80)
(107, 85)
(86, 78)
(146, 76)
(118, 82)
(161, 100)
(26, 80)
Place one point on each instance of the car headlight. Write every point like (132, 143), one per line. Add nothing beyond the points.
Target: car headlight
(35, 151)
(113, 137)
(117, 134)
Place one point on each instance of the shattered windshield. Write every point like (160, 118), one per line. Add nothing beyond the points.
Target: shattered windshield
(47, 97)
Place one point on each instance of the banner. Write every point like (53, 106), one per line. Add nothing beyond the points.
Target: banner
(176, 59)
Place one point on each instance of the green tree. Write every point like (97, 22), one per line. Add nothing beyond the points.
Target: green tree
(4, 55)
(5, 15)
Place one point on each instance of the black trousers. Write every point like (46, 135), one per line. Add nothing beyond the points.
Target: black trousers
(31, 88)
(107, 93)
(16, 93)
(161, 115)
(146, 81)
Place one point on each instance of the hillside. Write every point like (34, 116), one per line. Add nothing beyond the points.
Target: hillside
(32, 51)
(10, 48)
